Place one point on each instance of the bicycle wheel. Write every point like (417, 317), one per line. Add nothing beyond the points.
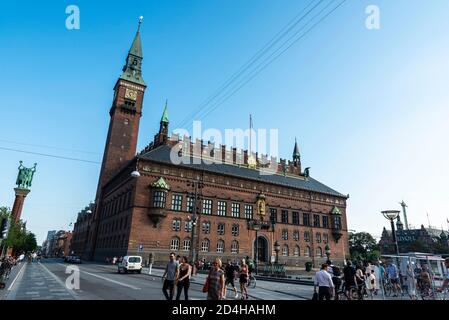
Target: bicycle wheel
(252, 282)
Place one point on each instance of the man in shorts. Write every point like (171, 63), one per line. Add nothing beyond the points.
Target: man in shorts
(229, 278)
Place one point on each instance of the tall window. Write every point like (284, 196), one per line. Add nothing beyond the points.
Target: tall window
(316, 220)
(337, 222)
(188, 226)
(220, 246)
(221, 208)
(235, 230)
(285, 251)
(206, 227)
(176, 224)
(295, 217)
(325, 238)
(174, 244)
(186, 245)
(306, 219)
(176, 202)
(307, 251)
(221, 229)
(284, 234)
(248, 211)
(205, 244)
(189, 204)
(306, 236)
(234, 247)
(159, 198)
(235, 210)
(325, 222)
(297, 252)
(273, 215)
(318, 237)
(207, 206)
(319, 252)
(284, 216)
(296, 235)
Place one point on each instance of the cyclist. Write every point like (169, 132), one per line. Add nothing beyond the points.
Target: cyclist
(348, 273)
(392, 272)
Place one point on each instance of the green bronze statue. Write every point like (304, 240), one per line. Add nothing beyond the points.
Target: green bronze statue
(25, 176)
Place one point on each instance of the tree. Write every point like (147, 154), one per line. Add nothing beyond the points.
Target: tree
(362, 246)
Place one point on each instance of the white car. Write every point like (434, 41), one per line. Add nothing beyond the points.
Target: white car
(130, 264)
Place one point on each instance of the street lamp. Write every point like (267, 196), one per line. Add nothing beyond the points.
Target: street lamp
(256, 226)
(391, 215)
(277, 248)
(327, 250)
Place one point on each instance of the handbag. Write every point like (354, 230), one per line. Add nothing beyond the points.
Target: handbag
(206, 284)
(315, 294)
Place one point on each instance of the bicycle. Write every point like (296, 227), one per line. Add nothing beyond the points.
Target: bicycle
(251, 282)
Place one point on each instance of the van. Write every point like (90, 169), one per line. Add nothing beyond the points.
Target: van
(130, 264)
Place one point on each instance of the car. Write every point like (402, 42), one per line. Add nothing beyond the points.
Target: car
(75, 259)
(130, 264)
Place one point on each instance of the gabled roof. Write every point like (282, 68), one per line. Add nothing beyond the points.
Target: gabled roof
(162, 154)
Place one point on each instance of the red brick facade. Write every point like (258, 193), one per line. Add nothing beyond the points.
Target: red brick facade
(130, 219)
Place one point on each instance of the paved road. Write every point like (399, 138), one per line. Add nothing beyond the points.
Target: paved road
(47, 280)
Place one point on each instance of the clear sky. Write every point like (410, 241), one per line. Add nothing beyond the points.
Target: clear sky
(369, 107)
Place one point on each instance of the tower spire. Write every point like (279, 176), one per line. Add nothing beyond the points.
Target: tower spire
(164, 118)
(132, 70)
(296, 154)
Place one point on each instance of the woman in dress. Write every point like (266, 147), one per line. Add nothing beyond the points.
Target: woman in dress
(411, 286)
(244, 274)
(185, 270)
(216, 281)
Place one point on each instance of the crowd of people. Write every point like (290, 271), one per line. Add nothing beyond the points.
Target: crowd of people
(178, 271)
(358, 280)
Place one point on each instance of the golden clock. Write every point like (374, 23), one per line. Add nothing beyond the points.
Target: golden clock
(131, 94)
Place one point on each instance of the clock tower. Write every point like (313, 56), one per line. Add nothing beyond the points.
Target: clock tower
(125, 112)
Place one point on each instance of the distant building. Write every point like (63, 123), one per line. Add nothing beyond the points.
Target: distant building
(47, 249)
(81, 230)
(429, 240)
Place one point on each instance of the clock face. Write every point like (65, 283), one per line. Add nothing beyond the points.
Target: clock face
(131, 94)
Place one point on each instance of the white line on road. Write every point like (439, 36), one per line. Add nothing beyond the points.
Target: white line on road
(107, 279)
(17, 276)
(73, 294)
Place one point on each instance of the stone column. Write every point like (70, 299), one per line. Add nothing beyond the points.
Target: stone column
(18, 203)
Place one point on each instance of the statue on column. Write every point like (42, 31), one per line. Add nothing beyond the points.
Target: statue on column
(25, 176)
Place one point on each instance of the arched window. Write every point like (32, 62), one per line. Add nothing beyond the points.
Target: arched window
(174, 244)
(220, 246)
(205, 245)
(319, 252)
(297, 251)
(318, 237)
(307, 251)
(234, 247)
(285, 251)
(186, 244)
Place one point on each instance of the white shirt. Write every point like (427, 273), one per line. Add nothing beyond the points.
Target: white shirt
(323, 279)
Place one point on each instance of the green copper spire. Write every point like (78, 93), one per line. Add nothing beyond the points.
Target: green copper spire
(164, 118)
(296, 154)
(132, 70)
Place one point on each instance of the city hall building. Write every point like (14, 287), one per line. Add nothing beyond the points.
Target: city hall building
(149, 203)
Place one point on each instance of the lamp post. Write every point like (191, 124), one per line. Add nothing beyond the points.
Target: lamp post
(277, 248)
(197, 187)
(256, 227)
(391, 215)
(327, 250)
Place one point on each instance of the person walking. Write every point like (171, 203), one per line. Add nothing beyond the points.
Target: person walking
(230, 275)
(348, 275)
(371, 283)
(169, 276)
(411, 285)
(336, 279)
(243, 279)
(185, 271)
(323, 281)
(216, 281)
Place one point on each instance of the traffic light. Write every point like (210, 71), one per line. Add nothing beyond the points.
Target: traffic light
(4, 226)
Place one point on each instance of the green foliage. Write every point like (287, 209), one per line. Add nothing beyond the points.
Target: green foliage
(18, 238)
(363, 247)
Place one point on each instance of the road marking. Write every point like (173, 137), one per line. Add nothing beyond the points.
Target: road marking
(113, 281)
(20, 271)
(73, 294)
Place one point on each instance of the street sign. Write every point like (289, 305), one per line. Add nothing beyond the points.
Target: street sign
(140, 248)
(273, 259)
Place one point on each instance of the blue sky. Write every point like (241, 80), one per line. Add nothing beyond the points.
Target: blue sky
(369, 107)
